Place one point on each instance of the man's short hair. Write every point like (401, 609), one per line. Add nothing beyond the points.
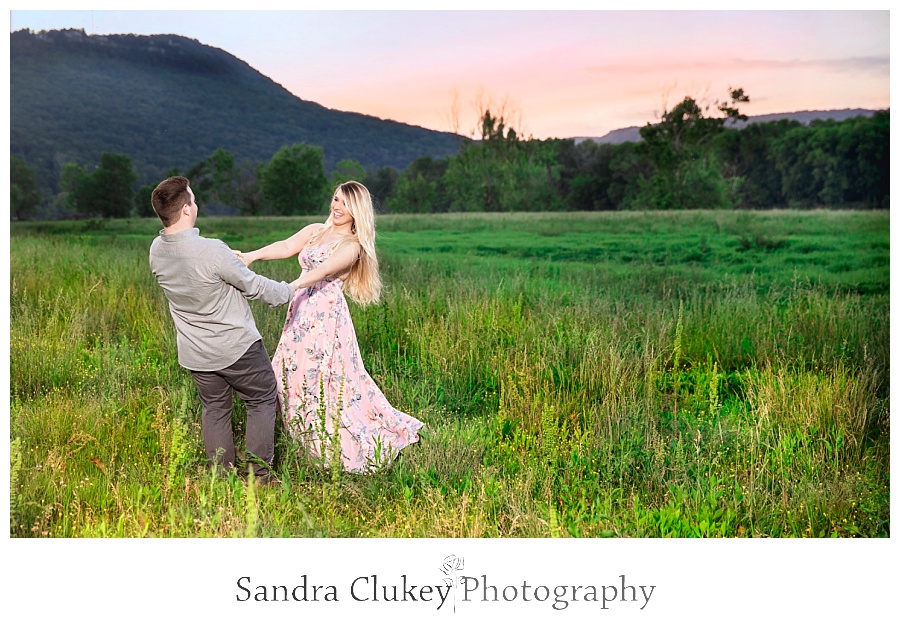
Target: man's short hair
(169, 197)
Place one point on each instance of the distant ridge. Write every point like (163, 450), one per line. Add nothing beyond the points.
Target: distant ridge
(633, 134)
(169, 101)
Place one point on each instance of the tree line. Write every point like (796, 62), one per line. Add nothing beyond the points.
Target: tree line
(692, 158)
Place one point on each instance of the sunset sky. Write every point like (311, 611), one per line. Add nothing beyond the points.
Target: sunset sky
(561, 73)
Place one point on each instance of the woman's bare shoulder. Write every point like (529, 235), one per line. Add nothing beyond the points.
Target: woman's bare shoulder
(312, 228)
(296, 242)
(349, 248)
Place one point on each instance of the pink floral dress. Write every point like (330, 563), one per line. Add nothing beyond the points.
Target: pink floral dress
(318, 352)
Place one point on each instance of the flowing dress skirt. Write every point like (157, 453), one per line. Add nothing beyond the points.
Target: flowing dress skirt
(318, 359)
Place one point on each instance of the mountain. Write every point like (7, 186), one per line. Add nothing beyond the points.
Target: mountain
(169, 101)
(633, 134)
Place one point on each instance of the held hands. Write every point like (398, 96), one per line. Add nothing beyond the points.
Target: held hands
(247, 258)
(243, 257)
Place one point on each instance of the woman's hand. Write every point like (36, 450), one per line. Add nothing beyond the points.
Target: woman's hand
(340, 262)
(246, 258)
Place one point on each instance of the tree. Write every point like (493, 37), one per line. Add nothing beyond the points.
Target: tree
(143, 205)
(347, 170)
(420, 187)
(23, 188)
(836, 164)
(627, 168)
(872, 163)
(597, 176)
(113, 186)
(414, 195)
(108, 191)
(213, 179)
(381, 183)
(502, 172)
(74, 183)
(747, 155)
(686, 171)
(248, 195)
(293, 181)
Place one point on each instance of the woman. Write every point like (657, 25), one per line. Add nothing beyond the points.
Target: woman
(318, 351)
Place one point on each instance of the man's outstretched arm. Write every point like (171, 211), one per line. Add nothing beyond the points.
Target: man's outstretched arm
(252, 285)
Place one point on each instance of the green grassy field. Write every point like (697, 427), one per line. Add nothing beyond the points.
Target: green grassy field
(607, 374)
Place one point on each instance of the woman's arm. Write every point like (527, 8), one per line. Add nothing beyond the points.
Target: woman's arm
(281, 249)
(339, 262)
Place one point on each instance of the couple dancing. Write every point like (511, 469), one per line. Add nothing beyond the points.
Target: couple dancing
(207, 286)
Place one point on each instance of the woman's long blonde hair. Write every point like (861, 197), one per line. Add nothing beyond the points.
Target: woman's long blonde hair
(363, 285)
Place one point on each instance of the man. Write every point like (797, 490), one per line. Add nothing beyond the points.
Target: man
(207, 288)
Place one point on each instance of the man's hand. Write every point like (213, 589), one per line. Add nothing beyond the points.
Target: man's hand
(240, 256)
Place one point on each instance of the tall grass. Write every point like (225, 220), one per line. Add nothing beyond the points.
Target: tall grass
(627, 374)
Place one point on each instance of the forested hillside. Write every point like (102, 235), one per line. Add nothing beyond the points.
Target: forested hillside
(633, 134)
(97, 121)
(169, 101)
